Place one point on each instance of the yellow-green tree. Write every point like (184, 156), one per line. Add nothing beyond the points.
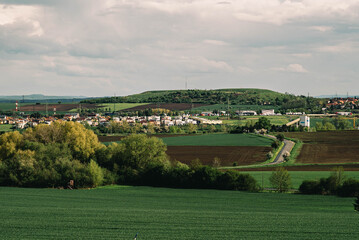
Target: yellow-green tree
(138, 151)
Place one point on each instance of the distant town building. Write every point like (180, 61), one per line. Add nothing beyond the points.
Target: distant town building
(304, 121)
(344, 113)
(268, 112)
(246, 113)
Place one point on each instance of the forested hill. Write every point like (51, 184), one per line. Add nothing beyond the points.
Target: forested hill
(249, 96)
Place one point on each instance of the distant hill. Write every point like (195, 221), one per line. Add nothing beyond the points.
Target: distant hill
(241, 96)
(40, 98)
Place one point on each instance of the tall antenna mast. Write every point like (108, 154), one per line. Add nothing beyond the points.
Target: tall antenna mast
(114, 103)
(228, 108)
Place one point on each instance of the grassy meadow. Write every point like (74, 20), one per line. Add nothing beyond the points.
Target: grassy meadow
(119, 106)
(224, 107)
(5, 127)
(158, 213)
(219, 140)
(297, 177)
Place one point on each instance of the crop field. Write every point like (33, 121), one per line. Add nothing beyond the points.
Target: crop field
(11, 106)
(328, 147)
(66, 107)
(120, 212)
(219, 140)
(224, 107)
(276, 120)
(241, 155)
(313, 120)
(119, 106)
(169, 106)
(297, 177)
(243, 149)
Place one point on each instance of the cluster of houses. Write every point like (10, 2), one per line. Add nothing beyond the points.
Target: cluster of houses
(264, 112)
(343, 103)
(96, 119)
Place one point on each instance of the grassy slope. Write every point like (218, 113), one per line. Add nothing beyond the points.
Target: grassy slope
(218, 140)
(158, 213)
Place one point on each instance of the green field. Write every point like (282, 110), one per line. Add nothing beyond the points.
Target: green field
(218, 140)
(276, 120)
(119, 106)
(11, 106)
(5, 127)
(160, 213)
(224, 107)
(297, 177)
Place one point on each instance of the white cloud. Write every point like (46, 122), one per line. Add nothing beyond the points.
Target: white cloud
(322, 28)
(294, 67)
(339, 48)
(215, 42)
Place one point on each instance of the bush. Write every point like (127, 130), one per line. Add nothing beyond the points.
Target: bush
(310, 187)
(275, 144)
(350, 188)
(280, 137)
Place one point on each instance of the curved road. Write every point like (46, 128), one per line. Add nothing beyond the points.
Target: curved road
(288, 145)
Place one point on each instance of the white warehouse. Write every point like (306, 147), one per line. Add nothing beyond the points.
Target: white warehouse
(304, 121)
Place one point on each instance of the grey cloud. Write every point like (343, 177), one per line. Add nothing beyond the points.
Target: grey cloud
(101, 47)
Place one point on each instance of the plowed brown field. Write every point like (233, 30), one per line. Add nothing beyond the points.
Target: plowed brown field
(59, 107)
(227, 155)
(328, 147)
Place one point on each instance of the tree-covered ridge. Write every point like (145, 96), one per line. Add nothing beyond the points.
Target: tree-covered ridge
(232, 96)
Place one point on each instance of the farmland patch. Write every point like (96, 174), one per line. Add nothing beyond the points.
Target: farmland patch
(219, 140)
(227, 155)
(328, 147)
(179, 214)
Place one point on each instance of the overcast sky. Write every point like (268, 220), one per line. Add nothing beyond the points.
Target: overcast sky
(107, 47)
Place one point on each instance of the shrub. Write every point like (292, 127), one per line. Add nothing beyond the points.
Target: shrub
(275, 144)
(350, 188)
(310, 187)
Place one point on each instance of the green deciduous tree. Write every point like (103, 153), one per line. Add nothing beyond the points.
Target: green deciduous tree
(138, 151)
(280, 179)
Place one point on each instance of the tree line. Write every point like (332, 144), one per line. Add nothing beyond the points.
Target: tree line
(52, 155)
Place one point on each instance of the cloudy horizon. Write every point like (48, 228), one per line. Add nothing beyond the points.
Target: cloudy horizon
(102, 48)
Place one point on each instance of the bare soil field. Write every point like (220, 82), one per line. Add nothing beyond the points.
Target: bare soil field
(59, 107)
(328, 147)
(227, 155)
(169, 106)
